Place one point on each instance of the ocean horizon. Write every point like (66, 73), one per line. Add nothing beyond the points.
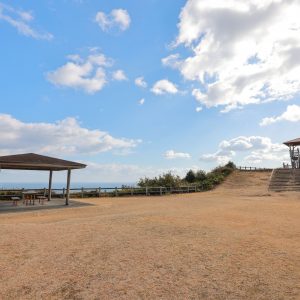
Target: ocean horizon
(60, 185)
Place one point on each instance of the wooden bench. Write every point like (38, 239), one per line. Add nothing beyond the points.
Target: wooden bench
(15, 200)
(41, 199)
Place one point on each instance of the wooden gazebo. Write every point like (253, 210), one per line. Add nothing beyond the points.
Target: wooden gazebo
(32, 161)
(294, 152)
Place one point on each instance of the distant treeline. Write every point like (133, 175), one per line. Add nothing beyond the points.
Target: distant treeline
(207, 180)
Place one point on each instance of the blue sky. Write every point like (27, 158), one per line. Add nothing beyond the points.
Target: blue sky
(219, 81)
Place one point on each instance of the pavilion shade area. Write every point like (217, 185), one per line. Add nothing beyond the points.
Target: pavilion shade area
(32, 161)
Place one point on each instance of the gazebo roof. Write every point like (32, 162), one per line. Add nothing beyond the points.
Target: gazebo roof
(32, 161)
(295, 142)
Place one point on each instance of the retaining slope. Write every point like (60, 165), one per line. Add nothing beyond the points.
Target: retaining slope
(246, 183)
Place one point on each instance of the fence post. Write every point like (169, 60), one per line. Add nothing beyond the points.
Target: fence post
(146, 191)
(82, 192)
(99, 195)
(116, 191)
(160, 191)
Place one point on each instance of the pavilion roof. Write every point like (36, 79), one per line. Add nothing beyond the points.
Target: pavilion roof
(295, 142)
(32, 161)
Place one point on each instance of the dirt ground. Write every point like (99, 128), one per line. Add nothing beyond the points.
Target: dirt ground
(237, 242)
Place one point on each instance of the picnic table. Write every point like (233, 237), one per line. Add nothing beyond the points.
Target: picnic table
(29, 197)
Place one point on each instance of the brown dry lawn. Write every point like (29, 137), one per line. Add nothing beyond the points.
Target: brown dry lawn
(237, 242)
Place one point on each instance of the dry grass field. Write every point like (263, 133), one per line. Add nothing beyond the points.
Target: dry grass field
(237, 242)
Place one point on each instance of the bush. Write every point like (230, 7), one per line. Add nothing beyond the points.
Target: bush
(200, 175)
(166, 180)
(206, 180)
(224, 170)
(207, 185)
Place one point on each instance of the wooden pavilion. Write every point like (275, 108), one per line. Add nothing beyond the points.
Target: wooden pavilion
(32, 161)
(294, 152)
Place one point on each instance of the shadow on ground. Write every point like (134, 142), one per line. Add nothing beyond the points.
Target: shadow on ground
(7, 207)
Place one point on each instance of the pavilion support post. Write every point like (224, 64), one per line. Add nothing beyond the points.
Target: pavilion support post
(50, 185)
(291, 156)
(68, 187)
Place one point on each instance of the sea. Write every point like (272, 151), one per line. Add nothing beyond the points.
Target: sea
(61, 185)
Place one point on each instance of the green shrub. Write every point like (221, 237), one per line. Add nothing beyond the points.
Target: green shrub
(165, 180)
(200, 175)
(206, 181)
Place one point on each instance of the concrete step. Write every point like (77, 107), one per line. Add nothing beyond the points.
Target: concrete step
(285, 180)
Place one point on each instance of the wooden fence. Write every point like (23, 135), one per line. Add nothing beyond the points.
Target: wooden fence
(6, 194)
(254, 169)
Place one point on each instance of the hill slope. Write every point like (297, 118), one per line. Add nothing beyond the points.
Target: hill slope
(246, 183)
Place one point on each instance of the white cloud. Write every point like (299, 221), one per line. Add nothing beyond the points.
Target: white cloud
(220, 157)
(171, 154)
(242, 51)
(141, 101)
(255, 149)
(102, 20)
(62, 137)
(117, 18)
(198, 109)
(139, 81)
(119, 75)
(172, 61)
(164, 86)
(292, 114)
(87, 74)
(21, 20)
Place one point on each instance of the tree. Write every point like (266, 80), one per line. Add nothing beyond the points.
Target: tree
(190, 176)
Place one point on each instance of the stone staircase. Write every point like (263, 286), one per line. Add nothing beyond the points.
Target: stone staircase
(285, 180)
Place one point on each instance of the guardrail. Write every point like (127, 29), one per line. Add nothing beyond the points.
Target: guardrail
(6, 194)
(254, 169)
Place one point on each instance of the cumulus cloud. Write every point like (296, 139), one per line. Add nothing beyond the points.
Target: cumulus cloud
(255, 149)
(21, 20)
(221, 157)
(243, 52)
(62, 137)
(171, 154)
(164, 86)
(88, 74)
(292, 114)
(116, 18)
(198, 109)
(119, 75)
(140, 81)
